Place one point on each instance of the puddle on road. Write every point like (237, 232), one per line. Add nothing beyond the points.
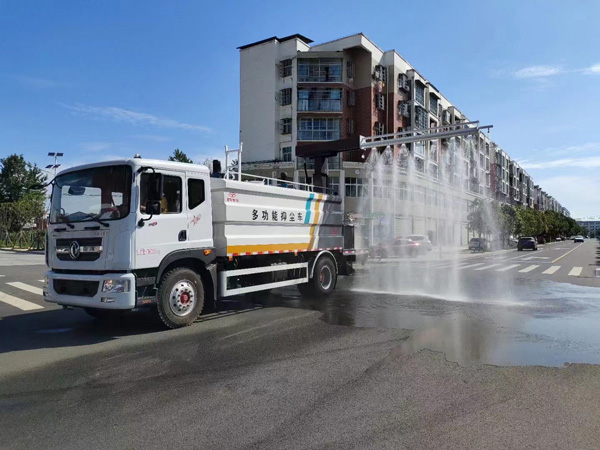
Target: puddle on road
(542, 322)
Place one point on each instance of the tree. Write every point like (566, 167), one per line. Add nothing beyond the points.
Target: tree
(482, 217)
(19, 178)
(180, 156)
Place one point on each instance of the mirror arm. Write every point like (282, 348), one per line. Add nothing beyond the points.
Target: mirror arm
(140, 170)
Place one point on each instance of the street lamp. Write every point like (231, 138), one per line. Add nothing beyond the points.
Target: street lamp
(54, 166)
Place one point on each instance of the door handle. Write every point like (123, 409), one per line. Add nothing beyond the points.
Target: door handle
(182, 235)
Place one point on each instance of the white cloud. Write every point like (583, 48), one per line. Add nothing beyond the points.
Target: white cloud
(592, 70)
(591, 162)
(132, 117)
(538, 72)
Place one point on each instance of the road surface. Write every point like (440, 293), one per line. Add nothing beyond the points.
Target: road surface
(400, 357)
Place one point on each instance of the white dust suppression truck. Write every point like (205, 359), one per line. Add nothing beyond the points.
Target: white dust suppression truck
(136, 232)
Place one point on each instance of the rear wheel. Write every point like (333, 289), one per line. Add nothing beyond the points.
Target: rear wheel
(180, 297)
(323, 281)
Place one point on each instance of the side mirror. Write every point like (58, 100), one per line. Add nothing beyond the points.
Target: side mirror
(153, 207)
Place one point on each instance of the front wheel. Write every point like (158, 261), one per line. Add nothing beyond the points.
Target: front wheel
(180, 297)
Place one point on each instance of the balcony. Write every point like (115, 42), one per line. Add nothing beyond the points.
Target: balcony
(319, 105)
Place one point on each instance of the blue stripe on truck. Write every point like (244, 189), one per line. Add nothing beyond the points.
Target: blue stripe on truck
(307, 213)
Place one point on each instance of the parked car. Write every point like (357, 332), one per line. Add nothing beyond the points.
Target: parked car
(558, 239)
(577, 238)
(397, 247)
(527, 242)
(479, 245)
(421, 240)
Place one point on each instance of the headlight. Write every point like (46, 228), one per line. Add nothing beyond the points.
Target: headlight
(115, 286)
(46, 280)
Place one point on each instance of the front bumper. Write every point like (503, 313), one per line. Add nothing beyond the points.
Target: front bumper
(99, 299)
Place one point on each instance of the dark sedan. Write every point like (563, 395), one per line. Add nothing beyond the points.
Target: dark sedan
(527, 242)
(397, 247)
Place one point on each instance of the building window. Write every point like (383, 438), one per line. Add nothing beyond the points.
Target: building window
(285, 97)
(433, 105)
(433, 151)
(420, 148)
(319, 99)
(304, 181)
(355, 187)
(320, 70)
(349, 127)
(351, 98)
(285, 126)
(379, 128)
(286, 154)
(285, 68)
(420, 94)
(421, 120)
(334, 185)
(349, 69)
(419, 165)
(380, 101)
(319, 129)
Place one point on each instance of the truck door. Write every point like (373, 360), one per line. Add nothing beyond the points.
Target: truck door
(199, 211)
(161, 193)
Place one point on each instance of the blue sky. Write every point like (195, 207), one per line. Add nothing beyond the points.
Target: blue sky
(114, 78)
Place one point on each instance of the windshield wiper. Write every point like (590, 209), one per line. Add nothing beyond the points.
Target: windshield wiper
(66, 221)
(96, 219)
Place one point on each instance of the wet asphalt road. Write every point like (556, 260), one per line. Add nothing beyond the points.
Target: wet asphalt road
(375, 366)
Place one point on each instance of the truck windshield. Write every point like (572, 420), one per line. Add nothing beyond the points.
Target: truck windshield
(99, 193)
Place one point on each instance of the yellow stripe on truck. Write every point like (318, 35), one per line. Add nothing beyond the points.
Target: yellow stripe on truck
(261, 248)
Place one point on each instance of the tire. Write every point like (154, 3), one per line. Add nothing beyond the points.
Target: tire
(519, 249)
(323, 281)
(180, 297)
(105, 314)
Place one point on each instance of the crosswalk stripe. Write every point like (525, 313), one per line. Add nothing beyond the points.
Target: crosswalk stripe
(26, 287)
(575, 271)
(41, 281)
(551, 270)
(23, 305)
(504, 269)
(470, 265)
(446, 266)
(487, 267)
(2, 276)
(529, 269)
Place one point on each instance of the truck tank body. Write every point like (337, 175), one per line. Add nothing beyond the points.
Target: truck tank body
(253, 219)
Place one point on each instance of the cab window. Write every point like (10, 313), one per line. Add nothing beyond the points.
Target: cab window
(165, 189)
(195, 193)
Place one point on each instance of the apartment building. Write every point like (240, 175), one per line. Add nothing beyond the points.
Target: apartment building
(591, 223)
(293, 93)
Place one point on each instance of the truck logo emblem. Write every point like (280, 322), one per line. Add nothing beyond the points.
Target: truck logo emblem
(74, 250)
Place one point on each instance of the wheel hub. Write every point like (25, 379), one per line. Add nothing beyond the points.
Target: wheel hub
(182, 298)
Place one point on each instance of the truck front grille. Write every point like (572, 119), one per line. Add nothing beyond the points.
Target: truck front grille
(79, 288)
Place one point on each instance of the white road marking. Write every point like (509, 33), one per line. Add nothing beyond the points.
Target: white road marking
(446, 266)
(504, 269)
(2, 276)
(41, 281)
(487, 267)
(470, 265)
(23, 305)
(528, 269)
(562, 256)
(535, 257)
(551, 270)
(26, 287)
(575, 271)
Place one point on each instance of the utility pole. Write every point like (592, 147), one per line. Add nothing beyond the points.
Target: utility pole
(54, 166)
